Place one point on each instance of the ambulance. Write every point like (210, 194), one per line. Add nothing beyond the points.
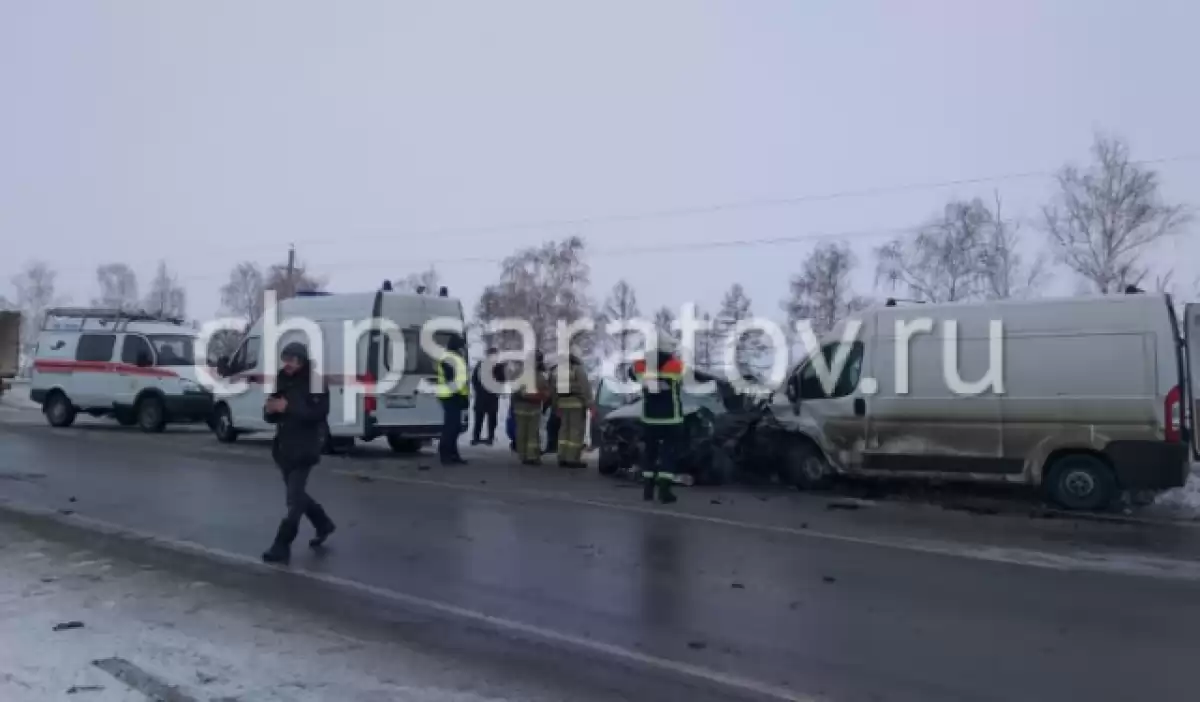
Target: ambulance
(136, 367)
(362, 407)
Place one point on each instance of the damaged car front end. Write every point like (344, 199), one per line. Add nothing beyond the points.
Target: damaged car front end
(720, 444)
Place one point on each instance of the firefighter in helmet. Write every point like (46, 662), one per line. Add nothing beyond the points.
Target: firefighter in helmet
(660, 374)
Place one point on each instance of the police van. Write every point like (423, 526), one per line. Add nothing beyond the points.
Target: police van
(406, 414)
(136, 367)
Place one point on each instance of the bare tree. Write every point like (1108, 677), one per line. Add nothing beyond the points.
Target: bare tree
(118, 287)
(822, 292)
(943, 262)
(747, 345)
(541, 285)
(166, 295)
(1104, 218)
(35, 288)
(302, 280)
(427, 281)
(223, 343)
(664, 323)
(242, 296)
(621, 305)
(1005, 271)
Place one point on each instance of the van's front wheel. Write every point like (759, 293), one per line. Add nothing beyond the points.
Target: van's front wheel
(1079, 481)
(804, 466)
(223, 427)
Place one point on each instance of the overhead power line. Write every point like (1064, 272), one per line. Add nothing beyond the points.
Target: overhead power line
(627, 251)
(715, 208)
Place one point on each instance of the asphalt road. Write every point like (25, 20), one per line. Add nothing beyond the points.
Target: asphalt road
(760, 594)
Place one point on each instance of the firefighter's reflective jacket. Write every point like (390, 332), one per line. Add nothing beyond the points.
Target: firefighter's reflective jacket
(662, 388)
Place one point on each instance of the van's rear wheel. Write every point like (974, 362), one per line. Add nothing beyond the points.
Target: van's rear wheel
(151, 414)
(1080, 481)
(59, 410)
(400, 444)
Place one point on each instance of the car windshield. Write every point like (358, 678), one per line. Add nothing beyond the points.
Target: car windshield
(174, 349)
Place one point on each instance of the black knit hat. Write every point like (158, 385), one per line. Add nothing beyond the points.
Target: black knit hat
(295, 350)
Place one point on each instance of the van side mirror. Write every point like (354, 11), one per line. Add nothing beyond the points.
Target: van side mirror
(223, 366)
(144, 360)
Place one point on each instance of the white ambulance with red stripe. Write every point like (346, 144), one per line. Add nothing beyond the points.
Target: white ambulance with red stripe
(136, 367)
(360, 406)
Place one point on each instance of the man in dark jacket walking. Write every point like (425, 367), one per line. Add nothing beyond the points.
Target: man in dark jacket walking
(300, 417)
(487, 401)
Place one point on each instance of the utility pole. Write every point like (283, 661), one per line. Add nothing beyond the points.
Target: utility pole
(290, 285)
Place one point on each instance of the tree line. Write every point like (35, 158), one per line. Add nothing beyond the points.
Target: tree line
(1098, 224)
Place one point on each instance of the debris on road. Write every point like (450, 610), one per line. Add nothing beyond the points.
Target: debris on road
(76, 689)
(697, 645)
(738, 586)
(829, 579)
(64, 626)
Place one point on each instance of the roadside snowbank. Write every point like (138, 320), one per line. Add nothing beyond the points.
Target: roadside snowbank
(208, 642)
(1184, 501)
(16, 396)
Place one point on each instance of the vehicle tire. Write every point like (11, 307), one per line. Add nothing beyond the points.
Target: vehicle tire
(125, 417)
(399, 444)
(721, 469)
(222, 425)
(58, 410)
(805, 467)
(609, 461)
(1080, 481)
(337, 445)
(151, 414)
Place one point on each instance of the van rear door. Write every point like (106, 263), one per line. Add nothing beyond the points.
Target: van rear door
(1191, 370)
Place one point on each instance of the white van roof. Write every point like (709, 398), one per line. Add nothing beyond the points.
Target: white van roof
(112, 321)
(1108, 312)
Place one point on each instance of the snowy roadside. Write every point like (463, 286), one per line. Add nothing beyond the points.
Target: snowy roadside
(16, 396)
(209, 642)
(1182, 502)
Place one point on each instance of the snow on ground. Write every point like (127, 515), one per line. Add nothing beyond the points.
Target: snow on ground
(210, 642)
(16, 396)
(1184, 501)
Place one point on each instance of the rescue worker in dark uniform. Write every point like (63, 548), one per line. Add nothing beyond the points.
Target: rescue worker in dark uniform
(661, 377)
(528, 398)
(487, 400)
(453, 391)
(299, 416)
(571, 391)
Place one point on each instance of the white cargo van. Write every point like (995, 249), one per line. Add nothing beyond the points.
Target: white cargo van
(406, 415)
(1091, 399)
(136, 367)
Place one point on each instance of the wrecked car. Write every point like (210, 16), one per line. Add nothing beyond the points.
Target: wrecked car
(722, 443)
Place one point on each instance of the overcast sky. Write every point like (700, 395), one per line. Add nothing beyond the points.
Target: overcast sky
(371, 134)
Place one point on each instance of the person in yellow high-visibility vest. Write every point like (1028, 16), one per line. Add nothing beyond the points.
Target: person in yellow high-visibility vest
(453, 391)
(572, 393)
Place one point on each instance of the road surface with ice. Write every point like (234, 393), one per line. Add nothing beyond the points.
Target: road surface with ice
(569, 582)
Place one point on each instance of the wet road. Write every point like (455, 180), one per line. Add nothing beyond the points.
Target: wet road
(778, 591)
